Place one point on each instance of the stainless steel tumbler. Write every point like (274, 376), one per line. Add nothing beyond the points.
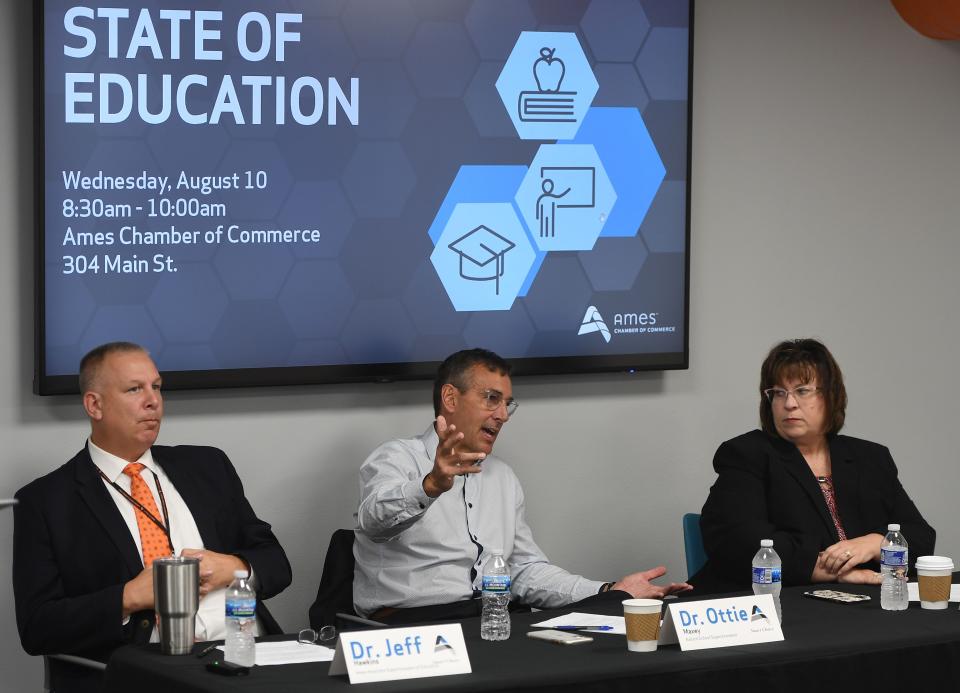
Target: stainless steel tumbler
(176, 593)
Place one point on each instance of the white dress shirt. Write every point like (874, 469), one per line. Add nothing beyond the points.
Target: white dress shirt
(412, 550)
(183, 529)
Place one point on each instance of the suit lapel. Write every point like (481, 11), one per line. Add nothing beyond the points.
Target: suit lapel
(846, 482)
(95, 495)
(800, 470)
(179, 474)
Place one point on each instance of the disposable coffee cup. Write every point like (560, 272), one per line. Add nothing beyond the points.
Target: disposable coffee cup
(934, 575)
(176, 595)
(642, 617)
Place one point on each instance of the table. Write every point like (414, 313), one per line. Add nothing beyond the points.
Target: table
(828, 647)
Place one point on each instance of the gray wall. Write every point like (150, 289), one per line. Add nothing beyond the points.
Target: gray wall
(825, 198)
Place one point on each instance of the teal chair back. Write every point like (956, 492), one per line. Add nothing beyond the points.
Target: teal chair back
(693, 544)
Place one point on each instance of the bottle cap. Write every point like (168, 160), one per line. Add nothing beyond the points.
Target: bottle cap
(240, 574)
(766, 543)
(893, 527)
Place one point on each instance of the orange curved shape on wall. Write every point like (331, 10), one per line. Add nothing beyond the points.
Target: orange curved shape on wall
(937, 19)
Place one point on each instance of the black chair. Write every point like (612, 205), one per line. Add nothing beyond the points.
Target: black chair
(693, 544)
(335, 594)
(71, 674)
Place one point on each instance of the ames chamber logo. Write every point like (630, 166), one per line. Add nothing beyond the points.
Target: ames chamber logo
(623, 324)
(593, 322)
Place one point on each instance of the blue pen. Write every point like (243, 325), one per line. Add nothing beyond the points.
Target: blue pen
(583, 628)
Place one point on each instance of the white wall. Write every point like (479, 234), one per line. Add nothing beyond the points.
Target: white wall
(826, 163)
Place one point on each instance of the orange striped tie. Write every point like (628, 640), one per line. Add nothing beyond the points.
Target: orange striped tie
(153, 540)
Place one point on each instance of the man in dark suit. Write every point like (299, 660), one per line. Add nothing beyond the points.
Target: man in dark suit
(82, 536)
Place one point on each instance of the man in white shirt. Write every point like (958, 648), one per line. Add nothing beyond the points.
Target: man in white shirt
(435, 507)
(79, 533)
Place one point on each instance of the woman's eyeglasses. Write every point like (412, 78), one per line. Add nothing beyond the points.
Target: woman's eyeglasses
(778, 394)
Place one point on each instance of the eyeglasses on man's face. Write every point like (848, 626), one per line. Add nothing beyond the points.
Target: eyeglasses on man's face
(492, 399)
(778, 394)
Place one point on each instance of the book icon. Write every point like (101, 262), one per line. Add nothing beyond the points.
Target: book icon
(547, 104)
(537, 107)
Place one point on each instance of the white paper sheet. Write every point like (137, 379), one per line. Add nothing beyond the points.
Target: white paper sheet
(618, 627)
(290, 652)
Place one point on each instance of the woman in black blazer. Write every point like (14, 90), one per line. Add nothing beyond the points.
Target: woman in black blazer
(825, 499)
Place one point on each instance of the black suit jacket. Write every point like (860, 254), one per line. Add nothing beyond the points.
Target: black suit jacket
(73, 552)
(765, 490)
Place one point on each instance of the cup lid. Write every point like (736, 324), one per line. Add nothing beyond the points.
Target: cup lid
(176, 560)
(642, 602)
(934, 563)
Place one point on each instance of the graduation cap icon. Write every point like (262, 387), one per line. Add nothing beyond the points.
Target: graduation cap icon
(481, 252)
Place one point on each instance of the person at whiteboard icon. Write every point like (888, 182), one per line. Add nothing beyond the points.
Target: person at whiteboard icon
(547, 208)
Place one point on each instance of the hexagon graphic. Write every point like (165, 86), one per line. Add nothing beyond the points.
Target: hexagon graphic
(547, 85)
(484, 106)
(566, 197)
(509, 335)
(447, 78)
(477, 184)
(484, 184)
(495, 24)
(195, 285)
(378, 179)
(663, 63)
(250, 271)
(378, 331)
(305, 299)
(614, 263)
(319, 205)
(69, 307)
(632, 161)
(551, 315)
(251, 333)
(620, 86)
(121, 323)
(615, 29)
(483, 256)
(379, 29)
(187, 357)
(428, 305)
(663, 229)
(388, 99)
(241, 203)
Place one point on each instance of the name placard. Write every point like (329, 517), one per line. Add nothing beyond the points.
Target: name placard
(392, 654)
(721, 623)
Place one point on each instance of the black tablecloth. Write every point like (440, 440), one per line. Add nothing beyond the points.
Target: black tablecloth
(828, 647)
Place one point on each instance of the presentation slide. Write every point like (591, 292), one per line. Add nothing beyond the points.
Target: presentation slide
(354, 189)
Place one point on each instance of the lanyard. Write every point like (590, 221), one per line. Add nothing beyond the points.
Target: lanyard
(165, 525)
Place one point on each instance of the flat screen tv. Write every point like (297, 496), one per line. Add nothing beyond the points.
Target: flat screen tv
(314, 191)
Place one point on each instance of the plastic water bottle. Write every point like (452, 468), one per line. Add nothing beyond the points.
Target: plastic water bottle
(241, 617)
(495, 619)
(893, 567)
(766, 573)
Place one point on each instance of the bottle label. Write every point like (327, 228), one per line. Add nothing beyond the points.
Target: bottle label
(894, 558)
(496, 583)
(241, 608)
(766, 576)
